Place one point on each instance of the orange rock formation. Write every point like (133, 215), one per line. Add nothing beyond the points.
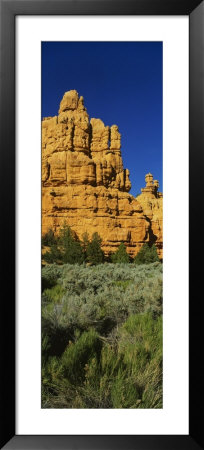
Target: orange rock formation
(84, 182)
(152, 204)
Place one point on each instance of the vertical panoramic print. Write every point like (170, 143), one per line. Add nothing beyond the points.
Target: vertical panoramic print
(102, 225)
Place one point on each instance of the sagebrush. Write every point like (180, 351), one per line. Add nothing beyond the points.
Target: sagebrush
(102, 336)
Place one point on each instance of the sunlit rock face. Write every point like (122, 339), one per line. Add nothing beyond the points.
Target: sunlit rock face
(151, 201)
(84, 182)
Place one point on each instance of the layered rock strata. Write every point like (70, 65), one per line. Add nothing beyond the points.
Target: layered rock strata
(151, 201)
(84, 182)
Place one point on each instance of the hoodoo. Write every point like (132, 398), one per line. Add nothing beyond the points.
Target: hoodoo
(85, 184)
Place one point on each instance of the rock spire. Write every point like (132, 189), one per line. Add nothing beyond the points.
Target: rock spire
(84, 182)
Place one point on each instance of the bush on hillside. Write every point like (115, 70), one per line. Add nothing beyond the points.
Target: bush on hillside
(102, 336)
(48, 238)
(121, 255)
(84, 244)
(147, 255)
(100, 296)
(94, 252)
(50, 276)
(67, 248)
(92, 374)
(54, 255)
(72, 252)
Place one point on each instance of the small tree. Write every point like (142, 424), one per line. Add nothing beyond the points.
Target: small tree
(65, 235)
(121, 255)
(94, 252)
(54, 255)
(48, 238)
(72, 252)
(147, 255)
(85, 243)
(154, 254)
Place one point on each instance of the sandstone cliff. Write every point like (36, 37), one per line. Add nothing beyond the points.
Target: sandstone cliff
(152, 204)
(84, 182)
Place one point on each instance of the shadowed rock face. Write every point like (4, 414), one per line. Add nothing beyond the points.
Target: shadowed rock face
(84, 182)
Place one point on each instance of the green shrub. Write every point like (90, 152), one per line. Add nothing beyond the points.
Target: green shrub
(78, 354)
(67, 248)
(54, 254)
(73, 253)
(147, 255)
(84, 244)
(49, 238)
(71, 249)
(53, 294)
(93, 374)
(94, 252)
(102, 336)
(50, 275)
(124, 393)
(102, 296)
(121, 255)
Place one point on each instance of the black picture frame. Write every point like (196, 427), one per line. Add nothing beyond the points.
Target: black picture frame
(8, 11)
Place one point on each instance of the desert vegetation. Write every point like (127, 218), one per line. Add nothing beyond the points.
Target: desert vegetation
(67, 248)
(101, 326)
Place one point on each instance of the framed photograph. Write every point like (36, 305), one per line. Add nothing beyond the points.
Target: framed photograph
(102, 131)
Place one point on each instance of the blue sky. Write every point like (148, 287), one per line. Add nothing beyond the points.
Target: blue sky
(121, 83)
